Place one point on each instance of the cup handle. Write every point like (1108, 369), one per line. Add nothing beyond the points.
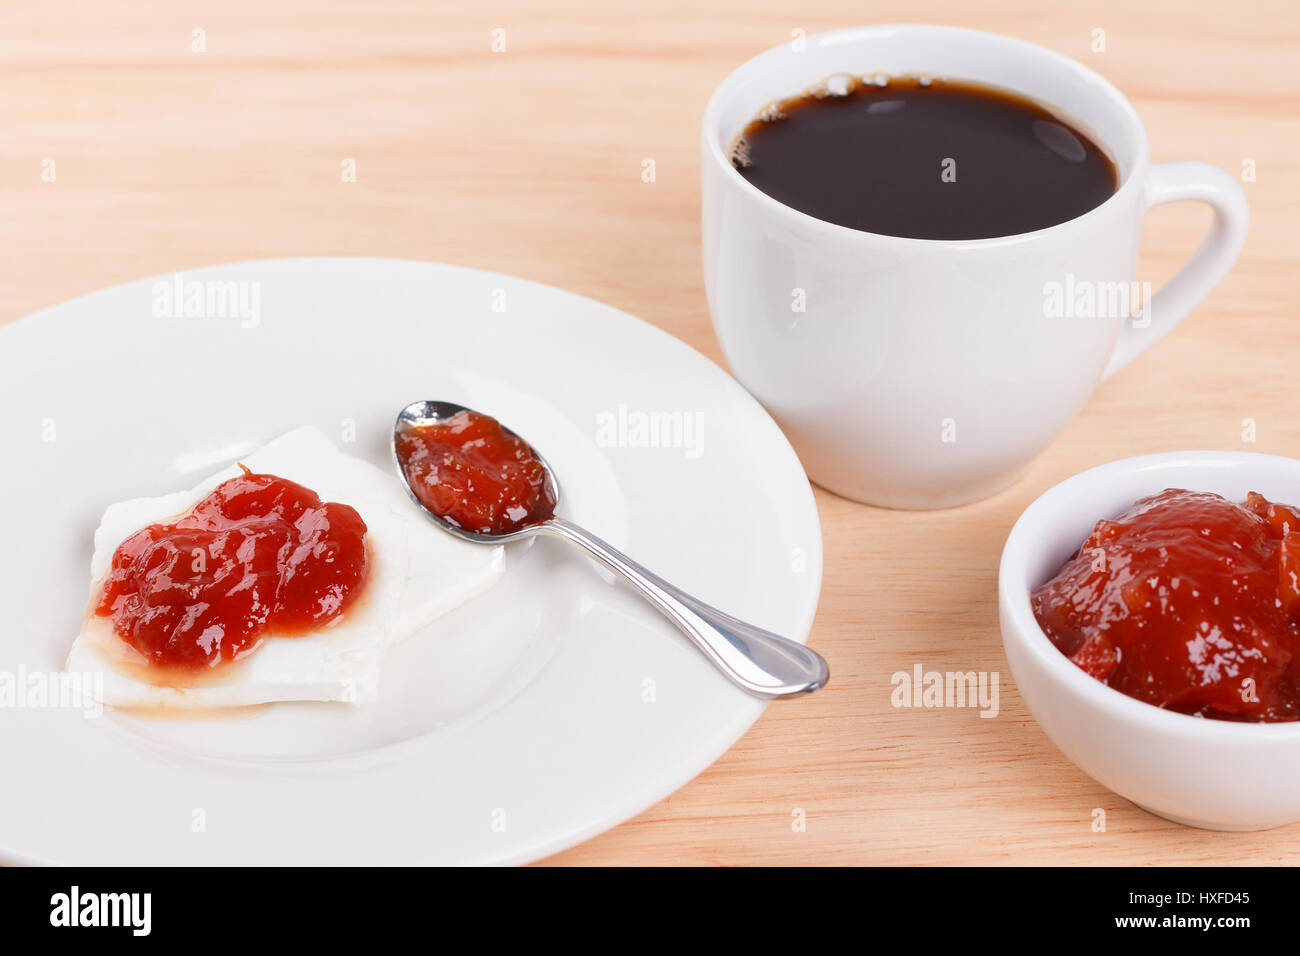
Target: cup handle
(1201, 182)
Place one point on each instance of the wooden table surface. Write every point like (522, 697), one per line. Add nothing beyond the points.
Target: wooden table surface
(528, 161)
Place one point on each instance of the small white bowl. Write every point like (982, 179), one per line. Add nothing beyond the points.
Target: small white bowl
(1216, 774)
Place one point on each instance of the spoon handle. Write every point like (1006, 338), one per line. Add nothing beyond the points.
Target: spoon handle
(758, 661)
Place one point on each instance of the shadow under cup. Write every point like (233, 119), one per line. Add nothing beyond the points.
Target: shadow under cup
(917, 373)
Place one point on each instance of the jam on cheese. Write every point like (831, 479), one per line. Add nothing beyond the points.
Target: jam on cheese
(475, 474)
(259, 555)
(1189, 602)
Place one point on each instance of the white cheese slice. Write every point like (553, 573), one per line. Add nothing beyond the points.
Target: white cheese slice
(417, 573)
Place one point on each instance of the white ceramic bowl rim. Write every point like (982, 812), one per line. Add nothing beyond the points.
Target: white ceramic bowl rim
(1026, 540)
(1119, 102)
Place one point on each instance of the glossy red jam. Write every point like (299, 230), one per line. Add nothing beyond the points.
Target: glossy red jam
(1189, 602)
(475, 474)
(258, 554)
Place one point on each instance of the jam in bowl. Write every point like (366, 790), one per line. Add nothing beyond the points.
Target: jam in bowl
(1145, 616)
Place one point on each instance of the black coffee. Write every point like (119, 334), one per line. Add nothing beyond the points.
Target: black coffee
(924, 159)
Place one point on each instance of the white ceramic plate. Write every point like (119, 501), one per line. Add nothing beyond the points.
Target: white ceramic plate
(552, 708)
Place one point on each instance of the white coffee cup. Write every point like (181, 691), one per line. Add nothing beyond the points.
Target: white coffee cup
(919, 373)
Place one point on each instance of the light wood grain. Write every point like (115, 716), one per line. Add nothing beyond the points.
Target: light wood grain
(528, 162)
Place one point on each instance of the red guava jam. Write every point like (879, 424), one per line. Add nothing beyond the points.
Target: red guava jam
(259, 554)
(476, 474)
(1189, 602)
